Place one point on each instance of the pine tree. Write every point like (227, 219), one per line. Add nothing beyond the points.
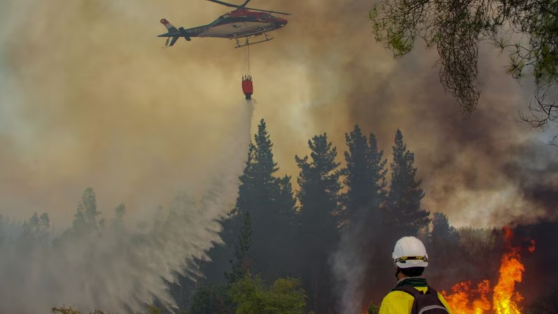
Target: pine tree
(85, 218)
(89, 207)
(319, 186)
(241, 265)
(266, 166)
(244, 200)
(36, 230)
(442, 231)
(445, 244)
(404, 211)
(119, 212)
(365, 178)
(317, 219)
(269, 200)
(287, 200)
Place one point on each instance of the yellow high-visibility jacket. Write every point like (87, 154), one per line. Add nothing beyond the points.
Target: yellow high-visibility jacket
(400, 302)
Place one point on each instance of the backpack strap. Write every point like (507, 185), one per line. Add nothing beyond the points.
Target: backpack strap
(410, 290)
(432, 291)
(415, 292)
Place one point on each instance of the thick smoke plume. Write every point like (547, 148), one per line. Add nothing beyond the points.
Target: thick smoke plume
(90, 99)
(85, 85)
(488, 170)
(123, 269)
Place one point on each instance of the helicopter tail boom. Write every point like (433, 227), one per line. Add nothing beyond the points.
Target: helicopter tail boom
(169, 26)
(174, 33)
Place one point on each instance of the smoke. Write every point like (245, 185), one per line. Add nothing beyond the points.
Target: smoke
(351, 267)
(123, 269)
(487, 170)
(90, 99)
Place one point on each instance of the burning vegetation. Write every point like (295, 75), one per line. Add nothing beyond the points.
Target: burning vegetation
(505, 299)
(337, 270)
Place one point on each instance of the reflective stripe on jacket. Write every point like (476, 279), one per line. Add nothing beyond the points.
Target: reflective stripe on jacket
(400, 302)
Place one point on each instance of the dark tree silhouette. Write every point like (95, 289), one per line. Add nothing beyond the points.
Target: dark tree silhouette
(457, 28)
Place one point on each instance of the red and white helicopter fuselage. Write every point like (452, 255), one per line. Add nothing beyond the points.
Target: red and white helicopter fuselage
(240, 23)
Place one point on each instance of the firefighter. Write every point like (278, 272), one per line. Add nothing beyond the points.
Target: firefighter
(412, 294)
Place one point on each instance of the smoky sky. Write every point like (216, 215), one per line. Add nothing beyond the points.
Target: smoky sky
(90, 98)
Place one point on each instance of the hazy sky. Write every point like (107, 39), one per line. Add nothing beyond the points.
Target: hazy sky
(89, 98)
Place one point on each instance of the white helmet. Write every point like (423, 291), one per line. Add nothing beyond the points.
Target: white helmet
(410, 252)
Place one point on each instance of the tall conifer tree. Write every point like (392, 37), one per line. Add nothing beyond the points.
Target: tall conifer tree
(269, 201)
(404, 212)
(318, 218)
(364, 178)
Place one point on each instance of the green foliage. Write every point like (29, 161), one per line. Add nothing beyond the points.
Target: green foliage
(373, 309)
(152, 309)
(403, 209)
(211, 299)
(285, 296)
(457, 28)
(69, 310)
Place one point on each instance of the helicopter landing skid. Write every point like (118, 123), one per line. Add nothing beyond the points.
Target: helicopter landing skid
(248, 43)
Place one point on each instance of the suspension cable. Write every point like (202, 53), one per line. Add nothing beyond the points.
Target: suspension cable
(248, 59)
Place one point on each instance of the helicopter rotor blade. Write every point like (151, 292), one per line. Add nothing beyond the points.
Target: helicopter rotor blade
(225, 3)
(243, 6)
(268, 11)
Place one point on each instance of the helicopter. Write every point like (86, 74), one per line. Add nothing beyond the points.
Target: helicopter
(243, 22)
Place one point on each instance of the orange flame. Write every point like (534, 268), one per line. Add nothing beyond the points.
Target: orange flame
(505, 299)
(459, 300)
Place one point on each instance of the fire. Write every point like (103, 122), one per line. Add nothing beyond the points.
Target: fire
(505, 300)
(462, 292)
